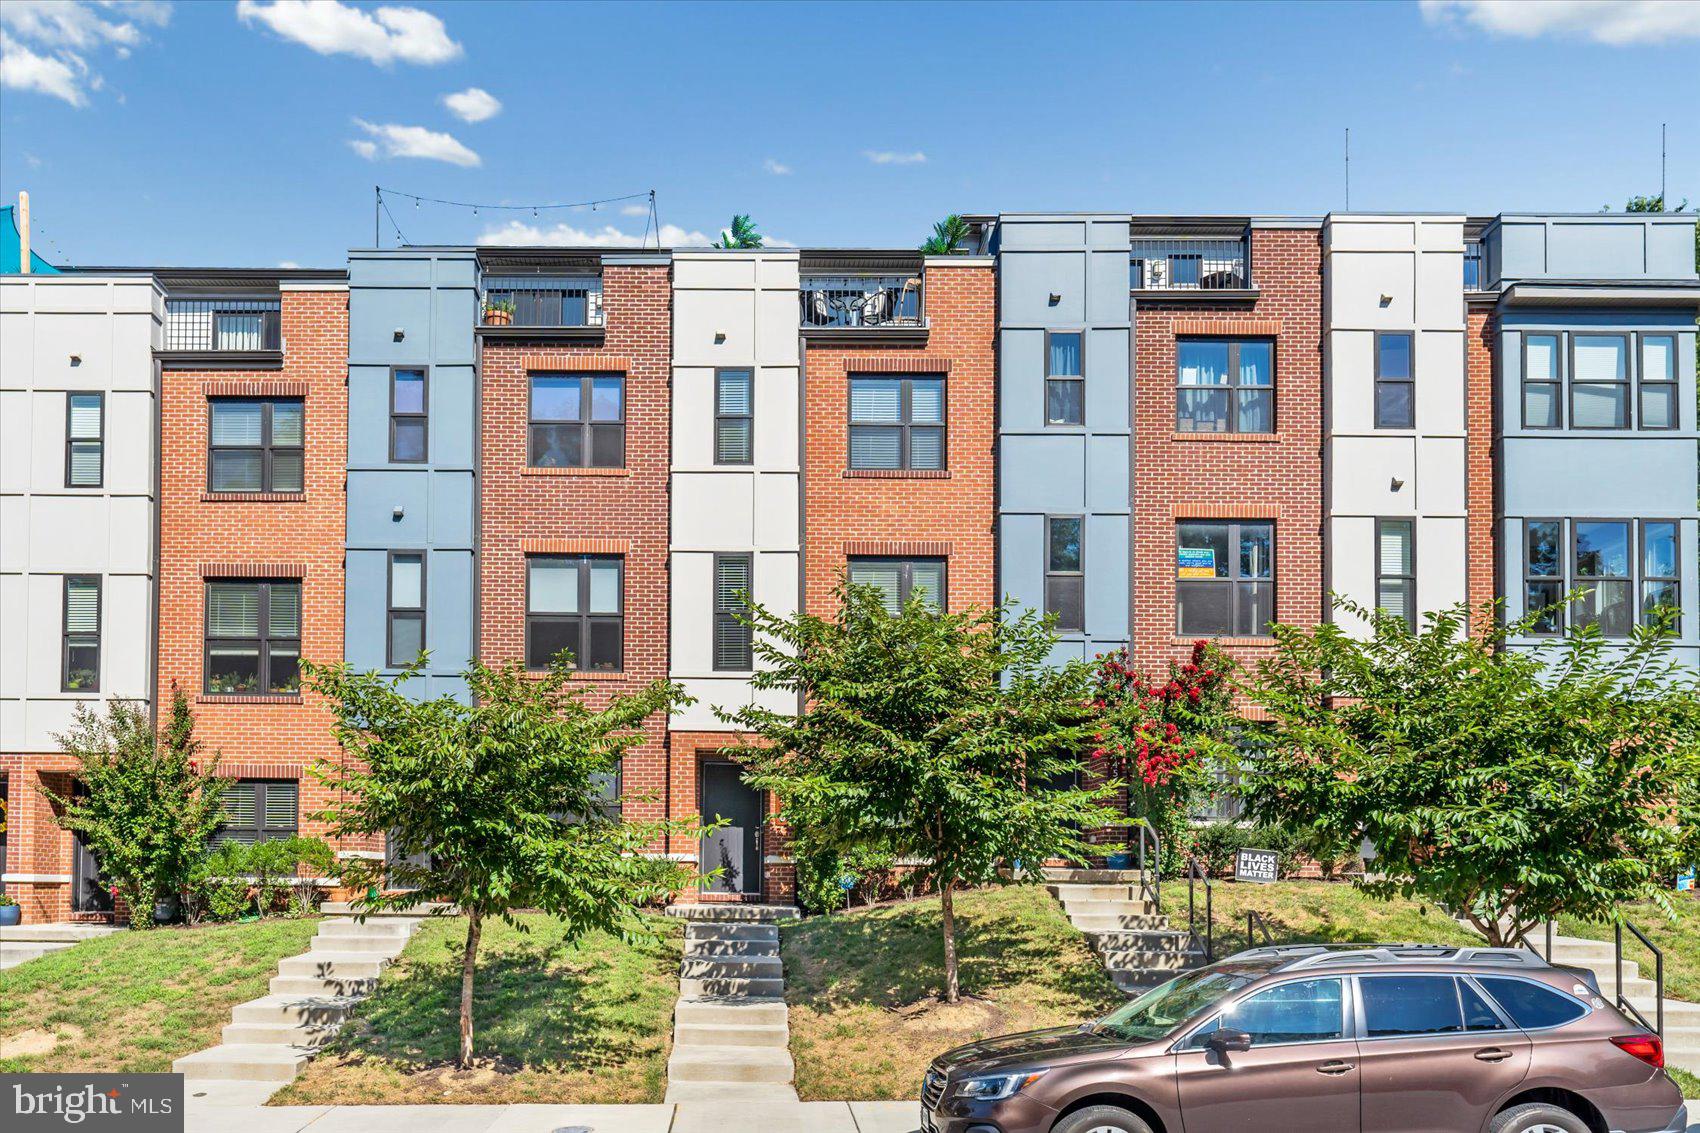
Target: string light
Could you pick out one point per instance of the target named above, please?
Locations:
(651, 219)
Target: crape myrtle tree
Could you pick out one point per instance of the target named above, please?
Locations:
(925, 735)
(1509, 785)
(497, 804)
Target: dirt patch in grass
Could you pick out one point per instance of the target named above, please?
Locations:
(864, 987)
(583, 1022)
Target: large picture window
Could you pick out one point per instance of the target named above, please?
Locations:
(259, 810)
(734, 416)
(1395, 381)
(255, 445)
(1224, 578)
(577, 421)
(253, 637)
(897, 423)
(1600, 380)
(1629, 568)
(899, 580)
(80, 656)
(733, 584)
(1065, 378)
(1225, 386)
(1065, 571)
(85, 440)
(575, 603)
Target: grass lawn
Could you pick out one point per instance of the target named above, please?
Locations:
(1319, 912)
(1678, 939)
(590, 1021)
(133, 1001)
(863, 987)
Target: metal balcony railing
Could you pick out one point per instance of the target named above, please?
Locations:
(861, 301)
(214, 324)
(1182, 264)
(542, 301)
(1475, 275)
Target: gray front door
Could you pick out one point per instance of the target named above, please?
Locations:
(735, 848)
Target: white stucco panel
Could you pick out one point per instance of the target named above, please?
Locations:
(1362, 474)
(1440, 476)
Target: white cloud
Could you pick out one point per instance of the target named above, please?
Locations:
(390, 140)
(383, 35)
(287, 265)
(777, 168)
(45, 45)
(473, 104)
(32, 160)
(566, 236)
(634, 210)
(894, 157)
(1615, 22)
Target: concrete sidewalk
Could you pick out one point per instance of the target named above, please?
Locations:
(685, 1117)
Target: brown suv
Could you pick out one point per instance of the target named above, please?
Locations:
(1370, 1038)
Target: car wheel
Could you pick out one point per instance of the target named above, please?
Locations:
(1538, 1117)
(1106, 1119)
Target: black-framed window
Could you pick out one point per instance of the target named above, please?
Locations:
(734, 581)
(1065, 377)
(1224, 578)
(1225, 385)
(1543, 573)
(255, 444)
(577, 421)
(85, 440)
(1658, 382)
(1395, 380)
(897, 422)
(1599, 381)
(79, 669)
(734, 416)
(409, 420)
(259, 810)
(1602, 563)
(899, 580)
(576, 603)
(1065, 571)
(1396, 569)
(1543, 381)
(405, 608)
(1630, 568)
(1661, 571)
(253, 636)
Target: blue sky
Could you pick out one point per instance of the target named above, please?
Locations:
(213, 133)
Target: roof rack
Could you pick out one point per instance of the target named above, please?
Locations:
(1297, 956)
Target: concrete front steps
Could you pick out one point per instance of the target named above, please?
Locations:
(730, 1036)
(1138, 945)
(270, 1039)
(1682, 1019)
(24, 942)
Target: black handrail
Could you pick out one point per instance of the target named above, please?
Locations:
(1196, 873)
(1152, 881)
(1255, 922)
(1623, 1003)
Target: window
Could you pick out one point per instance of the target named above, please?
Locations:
(1631, 571)
(85, 440)
(1530, 1005)
(253, 637)
(733, 582)
(408, 422)
(1543, 573)
(1395, 382)
(80, 662)
(897, 423)
(1065, 571)
(734, 416)
(1225, 386)
(1225, 578)
(1602, 568)
(1303, 1011)
(899, 580)
(1065, 378)
(577, 421)
(1395, 1006)
(1542, 380)
(1478, 1014)
(258, 810)
(1660, 573)
(574, 603)
(406, 608)
(255, 445)
(1599, 381)
(1395, 569)
(1658, 381)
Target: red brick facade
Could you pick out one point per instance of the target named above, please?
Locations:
(1481, 489)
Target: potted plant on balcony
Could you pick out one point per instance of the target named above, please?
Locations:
(11, 913)
(498, 312)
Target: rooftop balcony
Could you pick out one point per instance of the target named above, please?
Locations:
(527, 304)
(229, 327)
(1190, 264)
(862, 295)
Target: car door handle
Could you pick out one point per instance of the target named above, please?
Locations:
(1492, 1054)
(1335, 1067)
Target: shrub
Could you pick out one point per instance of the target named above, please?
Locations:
(234, 879)
(1216, 844)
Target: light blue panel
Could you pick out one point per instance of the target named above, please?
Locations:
(375, 316)
(455, 269)
(1107, 589)
(1021, 380)
(1029, 281)
(1043, 473)
(454, 317)
(1616, 476)
(1068, 649)
(396, 268)
(449, 631)
(374, 495)
(1108, 278)
(1017, 234)
(452, 507)
(1622, 246)
(1107, 379)
(454, 416)
(1589, 249)
(368, 415)
(1670, 250)
(1022, 559)
(1108, 232)
(1522, 249)
(366, 595)
(1107, 473)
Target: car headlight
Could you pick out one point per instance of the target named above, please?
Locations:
(995, 1087)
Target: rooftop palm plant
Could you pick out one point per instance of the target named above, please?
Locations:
(947, 234)
(742, 234)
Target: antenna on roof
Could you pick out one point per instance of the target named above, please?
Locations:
(1348, 169)
(1663, 207)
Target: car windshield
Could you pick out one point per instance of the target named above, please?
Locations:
(1163, 1008)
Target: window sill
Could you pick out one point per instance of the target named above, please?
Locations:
(1229, 438)
(254, 497)
(578, 675)
(1192, 638)
(575, 472)
(896, 474)
(248, 698)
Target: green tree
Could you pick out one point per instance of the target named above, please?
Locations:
(1509, 785)
(495, 805)
(926, 735)
(742, 234)
(149, 802)
(947, 234)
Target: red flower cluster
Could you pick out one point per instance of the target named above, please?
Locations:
(1139, 710)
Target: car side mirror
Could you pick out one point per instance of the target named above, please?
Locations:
(1225, 1040)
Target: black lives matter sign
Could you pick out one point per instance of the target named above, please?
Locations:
(1257, 865)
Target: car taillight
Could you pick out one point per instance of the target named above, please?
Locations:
(1648, 1048)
